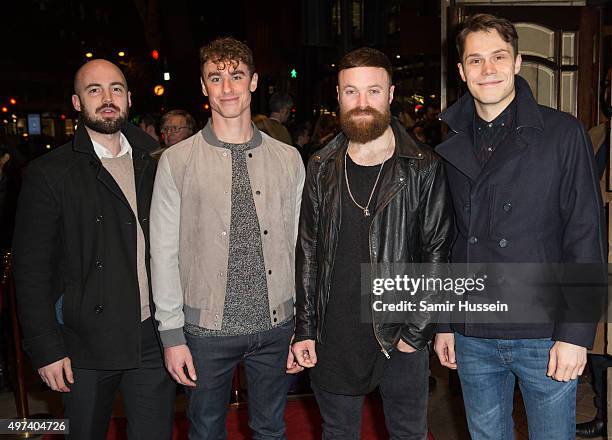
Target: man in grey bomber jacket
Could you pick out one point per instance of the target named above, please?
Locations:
(224, 222)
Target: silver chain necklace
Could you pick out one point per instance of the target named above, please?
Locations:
(365, 209)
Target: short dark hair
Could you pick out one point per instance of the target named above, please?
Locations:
(227, 50)
(280, 101)
(487, 23)
(366, 57)
(189, 120)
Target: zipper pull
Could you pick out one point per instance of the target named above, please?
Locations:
(385, 353)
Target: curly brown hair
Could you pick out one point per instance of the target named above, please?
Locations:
(227, 50)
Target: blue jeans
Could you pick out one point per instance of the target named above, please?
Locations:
(215, 358)
(488, 368)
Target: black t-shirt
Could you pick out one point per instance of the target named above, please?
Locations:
(349, 359)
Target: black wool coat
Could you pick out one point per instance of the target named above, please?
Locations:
(536, 200)
(75, 237)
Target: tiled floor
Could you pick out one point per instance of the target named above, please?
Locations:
(446, 414)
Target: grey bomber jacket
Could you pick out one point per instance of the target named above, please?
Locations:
(190, 220)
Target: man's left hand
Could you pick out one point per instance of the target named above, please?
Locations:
(405, 348)
(292, 366)
(566, 362)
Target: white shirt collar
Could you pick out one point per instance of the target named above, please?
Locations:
(103, 153)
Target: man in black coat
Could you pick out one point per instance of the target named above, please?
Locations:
(81, 266)
(525, 190)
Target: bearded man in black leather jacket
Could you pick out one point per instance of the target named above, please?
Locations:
(372, 196)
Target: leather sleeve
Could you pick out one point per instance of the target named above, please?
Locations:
(306, 256)
(437, 235)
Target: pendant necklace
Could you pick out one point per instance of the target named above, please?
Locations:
(366, 208)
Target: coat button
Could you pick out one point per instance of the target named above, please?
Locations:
(99, 309)
(250, 154)
(224, 233)
(258, 192)
(274, 312)
(99, 264)
(275, 319)
(507, 207)
(144, 220)
(466, 207)
(265, 232)
(129, 222)
(473, 240)
(224, 154)
(270, 272)
(99, 219)
(503, 243)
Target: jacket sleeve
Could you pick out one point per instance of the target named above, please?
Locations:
(301, 176)
(581, 209)
(34, 244)
(165, 275)
(437, 233)
(306, 257)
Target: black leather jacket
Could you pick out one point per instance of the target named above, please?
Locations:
(413, 222)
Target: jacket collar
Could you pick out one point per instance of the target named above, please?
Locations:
(460, 116)
(142, 144)
(211, 138)
(458, 150)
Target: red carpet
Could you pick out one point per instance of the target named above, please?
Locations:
(301, 416)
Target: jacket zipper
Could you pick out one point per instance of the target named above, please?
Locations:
(382, 348)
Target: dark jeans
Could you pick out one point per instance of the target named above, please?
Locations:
(215, 359)
(403, 389)
(148, 397)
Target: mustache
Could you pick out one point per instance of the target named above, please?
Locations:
(363, 111)
(110, 105)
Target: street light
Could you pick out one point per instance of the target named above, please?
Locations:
(89, 55)
(121, 54)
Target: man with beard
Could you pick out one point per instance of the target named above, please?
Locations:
(372, 195)
(81, 266)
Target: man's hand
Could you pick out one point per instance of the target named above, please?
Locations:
(292, 365)
(444, 346)
(177, 358)
(53, 375)
(405, 348)
(305, 354)
(566, 362)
